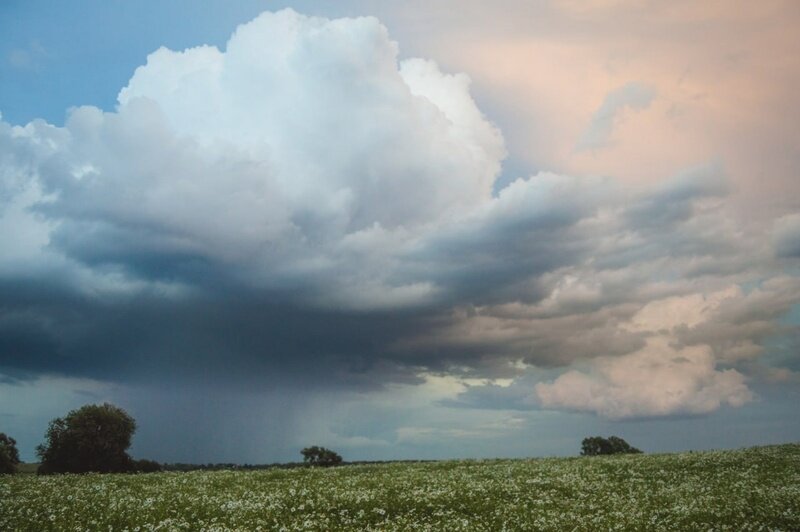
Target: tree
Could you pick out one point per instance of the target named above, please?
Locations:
(320, 456)
(91, 438)
(597, 445)
(9, 456)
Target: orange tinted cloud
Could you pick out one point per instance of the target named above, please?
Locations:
(724, 74)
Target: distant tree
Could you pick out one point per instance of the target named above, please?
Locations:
(9, 456)
(597, 445)
(91, 438)
(320, 456)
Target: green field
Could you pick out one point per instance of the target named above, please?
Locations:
(751, 489)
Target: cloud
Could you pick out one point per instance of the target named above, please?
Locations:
(303, 211)
(676, 372)
(786, 236)
(632, 355)
(633, 95)
(27, 58)
(675, 200)
(338, 126)
(743, 324)
(656, 381)
(273, 161)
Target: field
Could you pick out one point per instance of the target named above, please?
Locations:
(750, 489)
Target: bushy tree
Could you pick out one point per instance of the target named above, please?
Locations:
(597, 445)
(91, 438)
(9, 456)
(320, 456)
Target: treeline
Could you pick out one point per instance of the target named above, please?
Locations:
(179, 466)
(96, 438)
(185, 467)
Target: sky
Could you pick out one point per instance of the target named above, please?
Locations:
(449, 229)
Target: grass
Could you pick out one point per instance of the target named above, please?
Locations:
(750, 489)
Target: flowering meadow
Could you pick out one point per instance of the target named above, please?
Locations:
(750, 489)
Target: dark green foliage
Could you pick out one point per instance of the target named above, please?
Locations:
(9, 456)
(320, 456)
(146, 466)
(91, 438)
(597, 445)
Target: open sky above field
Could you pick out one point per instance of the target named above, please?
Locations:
(401, 230)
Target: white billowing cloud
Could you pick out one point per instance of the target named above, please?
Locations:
(633, 95)
(658, 380)
(662, 378)
(305, 155)
(269, 160)
(342, 131)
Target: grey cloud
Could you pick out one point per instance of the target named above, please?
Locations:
(518, 395)
(632, 95)
(675, 200)
(225, 339)
(739, 329)
(786, 236)
(530, 276)
(494, 339)
(17, 163)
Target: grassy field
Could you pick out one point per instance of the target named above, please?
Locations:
(751, 489)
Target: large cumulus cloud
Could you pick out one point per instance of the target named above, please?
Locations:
(274, 160)
(304, 204)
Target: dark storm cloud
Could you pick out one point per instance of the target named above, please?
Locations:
(516, 264)
(231, 338)
(144, 254)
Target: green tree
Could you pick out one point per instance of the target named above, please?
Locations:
(597, 445)
(91, 438)
(320, 456)
(9, 456)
